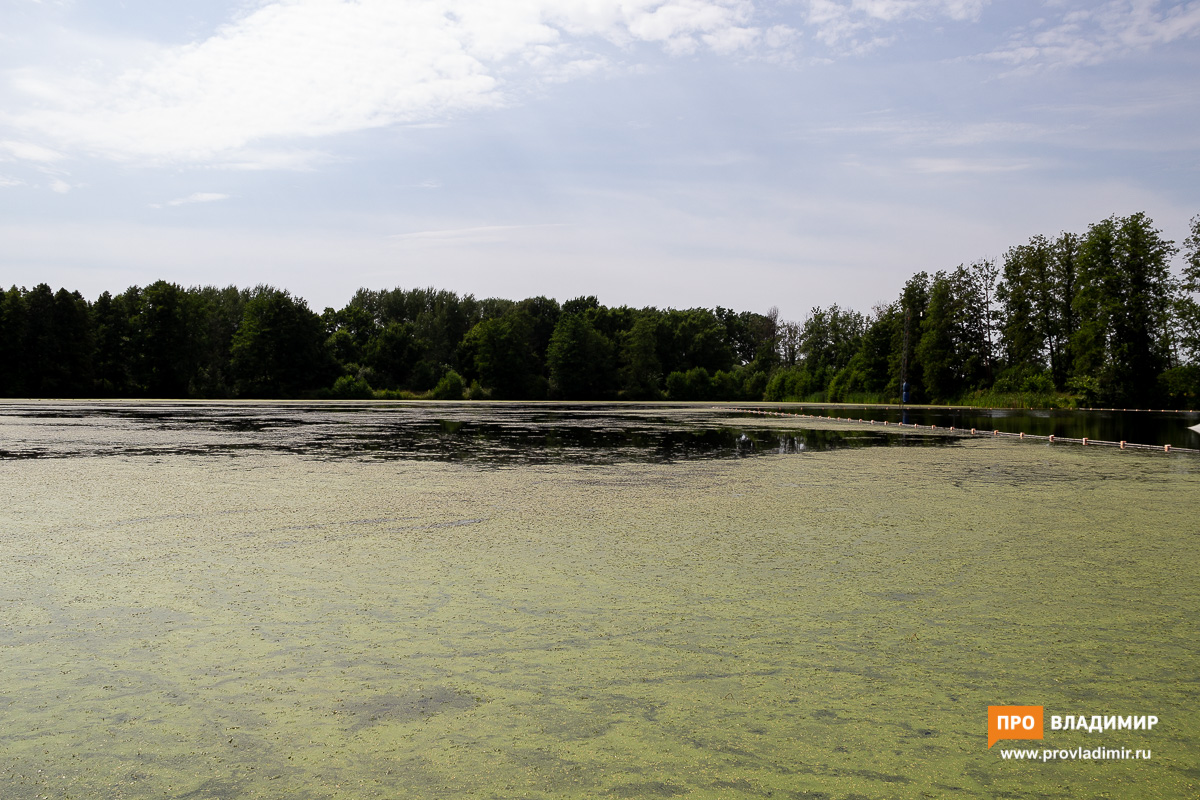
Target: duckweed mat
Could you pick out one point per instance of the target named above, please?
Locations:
(821, 624)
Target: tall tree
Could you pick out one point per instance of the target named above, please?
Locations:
(905, 365)
(112, 369)
(70, 375)
(1188, 309)
(695, 338)
(953, 349)
(352, 329)
(1036, 299)
(500, 351)
(278, 351)
(753, 337)
(220, 311)
(1065, 252)
(829, 339)
(975, 288)
(393, 353)
(14, 324)
(641, 369)
(40, 345)
(1124, 300)
(165, 342)
(544, 314)
(788, 353)
(580, 359)
(936, 347)
(1023, 294)
(876, 351)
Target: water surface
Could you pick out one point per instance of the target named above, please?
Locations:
(496, 434)
(1142, 427)
(197, 607)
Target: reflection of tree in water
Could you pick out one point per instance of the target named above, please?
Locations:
(490, 442)
(493, 435)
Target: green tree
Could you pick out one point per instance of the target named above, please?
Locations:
(70, 373)
(693, 338)
(278, 351)
(544, 315)
(752, 337)
(875, 355)
(39, 348)
(449, 387)
(351, 331)
(1180, 385)
(954, 350)
(1125, 297)
(220, 313)
(935, 349)
(905, 363)
(788, 343)
(164, 345)
(1065, 251)
(790, 384)
(1036, 324)
(1188, 304)
(641, 369)
(500, 350)
(14, 322)
(394, 352)
(440, 320)
(829, 338)
(695, 384)
(867, 370)
(580, 359)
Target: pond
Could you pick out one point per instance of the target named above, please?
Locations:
(280, 600)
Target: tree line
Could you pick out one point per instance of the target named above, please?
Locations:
(1092, 318)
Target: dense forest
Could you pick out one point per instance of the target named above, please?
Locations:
(1082, 319)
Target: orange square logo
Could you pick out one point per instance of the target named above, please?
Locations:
(1014, 722)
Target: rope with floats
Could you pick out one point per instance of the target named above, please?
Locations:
(967, 432)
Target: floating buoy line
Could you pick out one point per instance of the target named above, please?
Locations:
(967, 432)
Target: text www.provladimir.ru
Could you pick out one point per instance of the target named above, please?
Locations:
(1077, 754)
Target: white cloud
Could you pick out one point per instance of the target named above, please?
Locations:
(779, 36)
(967, 166)
(1091, 34)
(855, 26)
(311, 68)
(60, 186)
(489, 233)
(25, 151)
(6, 182)
(730, 40)
(195, 197)
(902, 131)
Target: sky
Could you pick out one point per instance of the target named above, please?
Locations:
(674, 153)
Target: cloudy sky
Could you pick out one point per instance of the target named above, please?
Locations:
(680, 153)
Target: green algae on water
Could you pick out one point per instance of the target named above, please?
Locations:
(830, 623)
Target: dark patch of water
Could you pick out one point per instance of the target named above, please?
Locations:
(494, 434)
